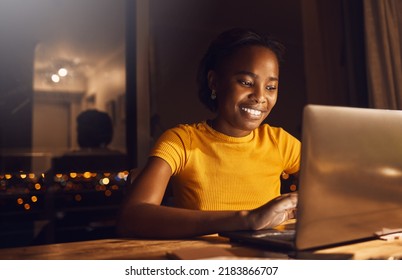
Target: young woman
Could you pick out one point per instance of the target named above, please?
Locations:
(225, 172)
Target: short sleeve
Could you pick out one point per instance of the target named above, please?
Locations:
(290, 149)
(173, 146)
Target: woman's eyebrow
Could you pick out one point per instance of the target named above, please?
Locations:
(244, 72)
(248, 73)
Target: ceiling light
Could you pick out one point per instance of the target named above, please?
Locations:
(62, 72)
(55, 78)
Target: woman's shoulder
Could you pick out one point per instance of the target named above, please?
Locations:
(274, 132)
(186, 130)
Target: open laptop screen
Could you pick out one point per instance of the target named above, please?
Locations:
(351, 174)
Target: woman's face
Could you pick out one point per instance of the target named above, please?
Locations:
(246, 86)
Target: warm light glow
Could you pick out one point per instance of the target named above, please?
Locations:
(31, 176)
(38, 186)
(20, 201)
(8, 176)
(78, 197)
(62, 72)
(34, 198)
(123, 175)
(391, 172)
(108, 193)
(293, 188)
(104, 181)
(87, 175)
(73, 175)
(69, 185)
(23, 176)
(55, 78)
(27, 206)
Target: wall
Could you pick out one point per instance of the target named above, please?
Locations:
(16, 71)
(334, 52)
(107, 83)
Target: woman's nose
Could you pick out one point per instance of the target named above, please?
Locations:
(258, 95)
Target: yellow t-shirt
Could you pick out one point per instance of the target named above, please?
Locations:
(213, 171)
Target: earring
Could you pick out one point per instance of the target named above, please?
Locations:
(213, 94)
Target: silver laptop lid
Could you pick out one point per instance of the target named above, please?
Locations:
(351, 174)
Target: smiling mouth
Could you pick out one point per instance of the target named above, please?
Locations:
(252, 112)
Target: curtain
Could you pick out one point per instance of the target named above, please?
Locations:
(383, 38)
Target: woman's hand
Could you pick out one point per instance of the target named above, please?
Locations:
(275, 212)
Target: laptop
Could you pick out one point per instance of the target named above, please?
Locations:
(350, 185)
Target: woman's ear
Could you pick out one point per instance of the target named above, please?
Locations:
(212, 79)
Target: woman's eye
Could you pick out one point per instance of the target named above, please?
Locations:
(246, 83)
(271, 87)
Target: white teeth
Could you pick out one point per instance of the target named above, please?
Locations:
(252, 111)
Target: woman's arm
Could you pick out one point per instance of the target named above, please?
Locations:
(143, 216)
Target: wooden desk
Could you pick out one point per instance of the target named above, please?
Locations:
(127, 249)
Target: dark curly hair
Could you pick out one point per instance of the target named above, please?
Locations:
(224, 46)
